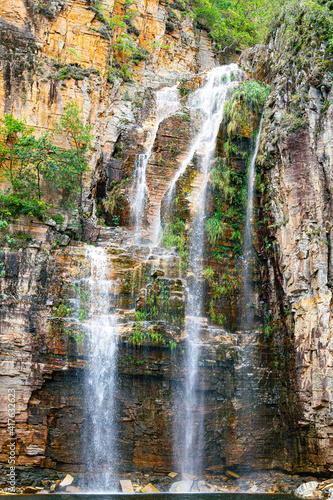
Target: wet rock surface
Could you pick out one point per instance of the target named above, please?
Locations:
(255, 413)
(150, 364)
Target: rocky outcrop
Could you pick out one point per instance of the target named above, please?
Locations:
(60, 51)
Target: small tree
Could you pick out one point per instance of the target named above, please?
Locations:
(23, 158)
(71, 163)
(14, 160)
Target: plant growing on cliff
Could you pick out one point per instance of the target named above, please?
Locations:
(174, 235)
(68, 166)
(26, 160)
(246, 102)
(23, 158)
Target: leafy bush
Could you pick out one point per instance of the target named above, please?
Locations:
(13, 205)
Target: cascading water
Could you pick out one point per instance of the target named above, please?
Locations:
(100, 385)
(248, 235)
(210, 100)
(167, 103)
(101, 324)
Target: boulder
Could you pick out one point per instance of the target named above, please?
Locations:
(66, 481)
(126, 486)
(231, 474)
(204, 487)
(308, 490)
(173, 474)
(54, 485)
(29, 490)
(181, 486)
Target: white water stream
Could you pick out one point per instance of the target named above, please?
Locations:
(100, 387)
(248, 235)
(210, 99)
(167, 103)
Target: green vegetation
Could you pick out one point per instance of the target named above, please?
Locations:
(70, 165)
(159, 307)
(141, 334)
(230, 193)
(122, 35)
(22, 157)
(173, 345)
(229, 186)
(62, 311)
(174, 235)
(109, 209)
(236, 24)
(246, 102)
(25, 161)
(307, 21)
(228, 183)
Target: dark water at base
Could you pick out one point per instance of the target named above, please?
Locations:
(161, 496)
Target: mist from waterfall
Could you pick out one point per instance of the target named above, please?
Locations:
(101, 329)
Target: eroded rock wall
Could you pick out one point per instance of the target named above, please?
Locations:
(52, 53)
(44, 358)
(295, 169)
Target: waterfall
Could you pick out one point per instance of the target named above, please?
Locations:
(100, 384)
(248, 235)
(210, 99)
(101, 327)
(167, 103)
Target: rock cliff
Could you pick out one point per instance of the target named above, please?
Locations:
(268, 391)
(295, 208)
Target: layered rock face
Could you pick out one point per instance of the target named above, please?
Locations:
(52, 53)
(266, 405)
(296, 178)
(44, 357)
